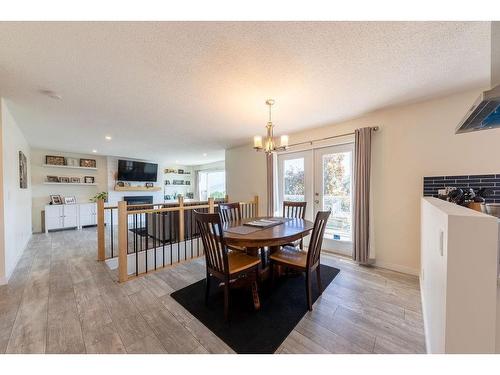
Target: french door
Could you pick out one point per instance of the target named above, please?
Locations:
(324, 179)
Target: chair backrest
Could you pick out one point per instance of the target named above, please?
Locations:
(294, 210)
(314, 248)
(212, 236)
(229, 211)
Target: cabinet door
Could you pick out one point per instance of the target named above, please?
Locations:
(70, 215)
(53, 217)
(87, 214)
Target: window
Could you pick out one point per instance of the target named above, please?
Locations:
(293, 179)
(211, 184)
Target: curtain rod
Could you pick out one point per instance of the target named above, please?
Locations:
(375, 128)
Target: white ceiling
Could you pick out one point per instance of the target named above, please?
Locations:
(175, 90)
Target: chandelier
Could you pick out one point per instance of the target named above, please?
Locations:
(269, 145)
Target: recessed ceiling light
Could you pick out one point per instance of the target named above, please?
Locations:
(50, 94)
(108, 138)
(205, 154)
(94, 151)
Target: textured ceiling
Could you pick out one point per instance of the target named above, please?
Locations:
(176, 90)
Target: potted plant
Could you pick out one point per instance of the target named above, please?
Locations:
(101, 195)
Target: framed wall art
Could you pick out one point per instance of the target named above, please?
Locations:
(88, 163)
(56, 199)
(23, 171)
(55, 160)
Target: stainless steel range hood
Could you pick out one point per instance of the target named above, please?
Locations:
(485, 112)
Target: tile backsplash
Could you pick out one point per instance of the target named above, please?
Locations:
(492, 181)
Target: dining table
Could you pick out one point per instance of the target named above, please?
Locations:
(284, 231)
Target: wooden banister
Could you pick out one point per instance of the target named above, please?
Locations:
(181, 218)
(178, 232)
(101, 246)
(122, 241)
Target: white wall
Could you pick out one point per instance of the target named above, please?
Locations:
(246, 175)
(15, 209)
(216, 165)
(116, 196)
(41, 192)
(414, 141)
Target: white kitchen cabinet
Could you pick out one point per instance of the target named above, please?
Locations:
(458, 278)
(88, 214)
(64, 216)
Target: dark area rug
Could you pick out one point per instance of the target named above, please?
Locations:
(248, 331)
(140, 231)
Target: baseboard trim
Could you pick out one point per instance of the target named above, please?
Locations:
(5, 279)
(426, 328)
(397, 268)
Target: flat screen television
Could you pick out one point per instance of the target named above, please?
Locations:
(129, 170)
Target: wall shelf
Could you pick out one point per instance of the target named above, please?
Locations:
(69, 183)
(137, 188)
(69, 167)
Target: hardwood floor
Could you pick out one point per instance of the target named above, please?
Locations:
(61, 300)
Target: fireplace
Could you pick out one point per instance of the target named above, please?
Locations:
(138, 199)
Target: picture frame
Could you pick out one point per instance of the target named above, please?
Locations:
(89, 179)
(72, 162)
(88, 163)
(70, 200)
(23, 171)
(55, 160)
(56, 199)
(64, 180)
(149, 184)
(52, 179)
(75, 180)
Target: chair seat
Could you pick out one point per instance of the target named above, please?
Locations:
(290, 255)
(239, 262)
(237, 248)
(295, 245)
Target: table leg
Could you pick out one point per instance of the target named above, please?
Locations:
(277, 268)
(255, 292)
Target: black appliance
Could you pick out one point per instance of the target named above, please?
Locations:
(139, 199)
(129, 170)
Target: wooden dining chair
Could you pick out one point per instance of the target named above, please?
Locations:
(230, 211)
(221, 264)
(295, 210)
(303, 261)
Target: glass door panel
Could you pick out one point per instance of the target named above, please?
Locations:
(333, 191)
(295, 180)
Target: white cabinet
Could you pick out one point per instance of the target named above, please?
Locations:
(458, 278)
(70, 216)
(88, 214)
(54, 217)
